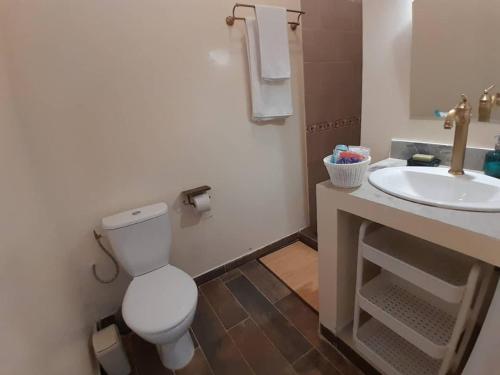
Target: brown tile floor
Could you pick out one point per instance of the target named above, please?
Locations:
(248, 322)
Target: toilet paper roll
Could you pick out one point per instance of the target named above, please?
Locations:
(202, 202)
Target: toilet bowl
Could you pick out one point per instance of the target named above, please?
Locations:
(160, 302)
(159, 307)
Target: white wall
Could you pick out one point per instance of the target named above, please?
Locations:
(386, 84)
(44, 309)
(113, 105)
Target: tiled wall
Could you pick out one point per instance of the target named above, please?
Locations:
(332, 37)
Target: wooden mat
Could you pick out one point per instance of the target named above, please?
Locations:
(297, 266)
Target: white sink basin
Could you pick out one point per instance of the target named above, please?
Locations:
(436, 187)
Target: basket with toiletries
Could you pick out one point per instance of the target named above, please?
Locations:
(347, 165)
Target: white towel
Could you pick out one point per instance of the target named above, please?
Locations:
(270, 99)
(273, 36)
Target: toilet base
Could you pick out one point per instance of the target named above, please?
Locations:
(178, 354)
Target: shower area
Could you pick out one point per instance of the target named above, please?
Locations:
(332, 46)
(332, 42)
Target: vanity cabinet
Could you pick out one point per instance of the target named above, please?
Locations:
(398, 287)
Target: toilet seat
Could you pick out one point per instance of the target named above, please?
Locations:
(159, 301)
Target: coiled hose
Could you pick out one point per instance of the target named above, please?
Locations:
(98, 237)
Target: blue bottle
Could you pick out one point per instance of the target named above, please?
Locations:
(492, 160)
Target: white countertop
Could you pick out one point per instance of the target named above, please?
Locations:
(474, 233)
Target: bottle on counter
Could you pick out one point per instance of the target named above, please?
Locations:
(492, 160)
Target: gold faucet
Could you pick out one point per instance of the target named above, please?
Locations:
(486, 104)
(460, 116)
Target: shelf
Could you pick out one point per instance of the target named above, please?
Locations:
(434, 268)
(411, 312)
(391, 353)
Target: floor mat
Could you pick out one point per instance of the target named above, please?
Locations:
(297, 266)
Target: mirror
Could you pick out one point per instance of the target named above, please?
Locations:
(455, 50)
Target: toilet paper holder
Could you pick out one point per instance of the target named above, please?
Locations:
(191, 193)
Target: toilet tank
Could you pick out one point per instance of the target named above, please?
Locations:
(140, 238)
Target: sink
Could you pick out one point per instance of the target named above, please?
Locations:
(436, 187)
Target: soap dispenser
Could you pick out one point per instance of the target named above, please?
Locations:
(492, 160)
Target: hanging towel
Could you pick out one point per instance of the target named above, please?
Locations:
(273, 36)
(270, 99)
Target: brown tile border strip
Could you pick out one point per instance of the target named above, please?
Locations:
(216, 272)
(333, 124)
(210, 275)
(348, 352)
(309, 238)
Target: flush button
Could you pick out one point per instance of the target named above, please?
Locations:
(136, 212)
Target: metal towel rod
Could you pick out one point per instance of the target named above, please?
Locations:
(230, 19)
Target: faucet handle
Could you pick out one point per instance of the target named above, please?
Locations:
(486, 91)
(486, 98)
(490, 99)
(464, 104)
(494, 99)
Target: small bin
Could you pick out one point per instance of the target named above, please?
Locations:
(109, 351)
(347, 175)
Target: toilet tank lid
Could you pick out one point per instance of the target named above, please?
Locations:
(137, 215)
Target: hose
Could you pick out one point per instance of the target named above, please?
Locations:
(98, 237)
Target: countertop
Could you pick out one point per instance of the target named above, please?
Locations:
(476, 234)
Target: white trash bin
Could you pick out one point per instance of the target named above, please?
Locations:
(109, 351)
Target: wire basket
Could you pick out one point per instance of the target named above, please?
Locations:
(347, 175)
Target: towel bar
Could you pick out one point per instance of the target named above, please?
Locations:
(230, 19)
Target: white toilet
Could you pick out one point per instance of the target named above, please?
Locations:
(160, 302)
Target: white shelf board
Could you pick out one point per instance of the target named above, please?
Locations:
(434, 268)
(392, 354)
(410, 312)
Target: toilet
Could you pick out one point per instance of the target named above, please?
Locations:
(160, 302)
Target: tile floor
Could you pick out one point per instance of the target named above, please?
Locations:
(248, 322)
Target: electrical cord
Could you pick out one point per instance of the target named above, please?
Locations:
(98, 237)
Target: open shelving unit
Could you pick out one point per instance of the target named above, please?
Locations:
(414, 315)
(398, 304)
(383, 346)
